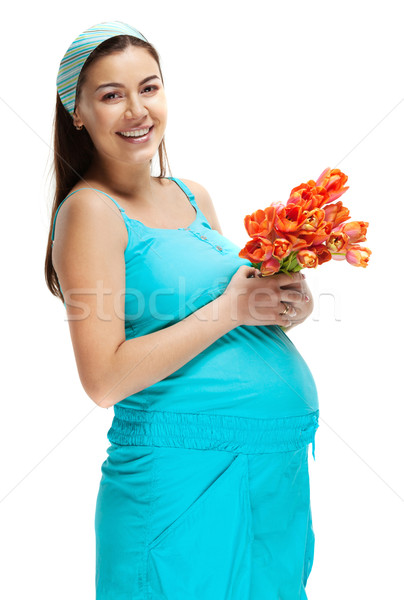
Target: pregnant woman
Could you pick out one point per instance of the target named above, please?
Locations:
(204, 493)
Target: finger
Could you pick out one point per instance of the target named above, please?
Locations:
(292, 296)
(289, 278)
(251, 271)
(291, 311)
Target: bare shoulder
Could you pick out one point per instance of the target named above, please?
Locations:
(85, 200)
(205, 203)
(88, 199)
(90, 211)
(198, 190)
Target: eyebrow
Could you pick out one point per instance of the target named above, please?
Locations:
(120, 85)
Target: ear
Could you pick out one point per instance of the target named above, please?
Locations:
(77, 122)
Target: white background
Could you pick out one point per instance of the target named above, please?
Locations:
(262, 96)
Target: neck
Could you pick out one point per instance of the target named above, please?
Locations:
(126, 180)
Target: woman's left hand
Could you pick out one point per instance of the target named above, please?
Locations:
(299, 309)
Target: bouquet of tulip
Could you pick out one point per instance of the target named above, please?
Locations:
(309, 230)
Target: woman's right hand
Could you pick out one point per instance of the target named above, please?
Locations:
(257, 300)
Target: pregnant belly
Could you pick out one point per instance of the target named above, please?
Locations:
(273, 375)
(253, 372)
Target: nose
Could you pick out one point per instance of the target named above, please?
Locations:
(135, 107)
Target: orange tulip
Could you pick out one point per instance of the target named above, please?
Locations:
(307, 258)
(270, 266)
(314, 219)
(337, 241)
(290, 218)
(260, 222)
(333, 181)
(308, 195)
(323, 253)
(257, 250)
(355, 230)
(358, 256)
(281, 248)
(320, 235)
(297, 243)
(336, 213)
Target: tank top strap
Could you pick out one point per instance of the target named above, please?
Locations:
(185, 189)
(83, 188)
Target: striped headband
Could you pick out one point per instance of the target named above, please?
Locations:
(78, 52)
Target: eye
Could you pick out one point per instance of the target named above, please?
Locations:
(106, 97)
(151, 87)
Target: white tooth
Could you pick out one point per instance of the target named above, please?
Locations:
(139, 133)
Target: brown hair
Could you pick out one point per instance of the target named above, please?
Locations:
(73, 149)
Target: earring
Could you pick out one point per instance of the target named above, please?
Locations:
(81, 127)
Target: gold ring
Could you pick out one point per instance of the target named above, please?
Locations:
(287, 307)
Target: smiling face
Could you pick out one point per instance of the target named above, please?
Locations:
(116, 98)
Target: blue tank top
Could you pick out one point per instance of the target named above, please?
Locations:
(252, 371)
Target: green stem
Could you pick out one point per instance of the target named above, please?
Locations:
(288, 265)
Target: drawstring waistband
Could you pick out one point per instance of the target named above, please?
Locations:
(132, 427)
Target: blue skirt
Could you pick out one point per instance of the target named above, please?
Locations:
(204, 507)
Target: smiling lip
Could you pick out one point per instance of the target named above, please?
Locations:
(133, 140)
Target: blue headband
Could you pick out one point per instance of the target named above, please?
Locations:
(78, 52)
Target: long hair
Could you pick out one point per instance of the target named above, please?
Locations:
(73, 149)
